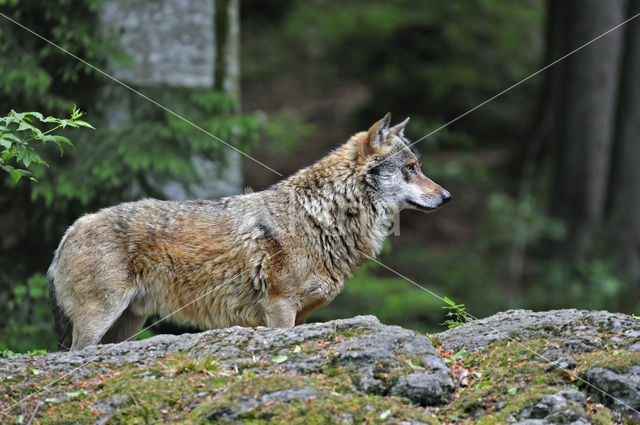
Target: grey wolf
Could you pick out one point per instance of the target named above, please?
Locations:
(267, 258)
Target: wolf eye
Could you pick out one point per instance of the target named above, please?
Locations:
(411, 168)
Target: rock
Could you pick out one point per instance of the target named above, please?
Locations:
(425, 388)
(563, 407)
(477, 334)
(632, 334)
(561, 363)
(345, 371)
(574, 396)
(286, 395)
(622, 389)
(373, 351)
(546, 405)
(635, 347)
(579, 345)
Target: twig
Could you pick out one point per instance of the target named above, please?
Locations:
(35, 410)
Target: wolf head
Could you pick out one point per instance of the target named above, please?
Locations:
(392, 169)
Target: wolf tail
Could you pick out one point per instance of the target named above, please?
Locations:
(64, 327)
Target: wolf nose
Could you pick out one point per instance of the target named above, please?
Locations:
(446, 196)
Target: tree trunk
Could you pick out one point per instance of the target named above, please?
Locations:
(584, 129)
(227, 76)
(623, 228)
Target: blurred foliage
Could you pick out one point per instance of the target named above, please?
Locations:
(416, 58)
(28, 318)
(506, 217)
(283, 130)
(153, 146)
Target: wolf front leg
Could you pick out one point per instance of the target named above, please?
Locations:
(280, 313)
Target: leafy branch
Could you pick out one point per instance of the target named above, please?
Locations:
(457, 314)
(17, 132)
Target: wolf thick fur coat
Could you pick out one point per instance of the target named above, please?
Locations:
(262, 259)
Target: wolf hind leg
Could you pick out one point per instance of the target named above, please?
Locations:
(94, 322)
(125, 326)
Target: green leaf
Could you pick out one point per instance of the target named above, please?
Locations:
(459, 355)
(384, 415)
(35, 371)
(26, 158)
(415, 366)
(63, 140)
(22, 151)
(18, 116)
(74, 394)
(84, 124)
(540, 380)
(11, 136)
(279, 359)
(24, 126)
(35, 157)
(480, 384)
(477, 374)
(38, 115)
(39, 133)
(51, 400)
(5, 143)
(15, 175)
(297, 349)
(512, 390)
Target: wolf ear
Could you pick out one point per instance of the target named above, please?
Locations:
(398, 129)
(375, 136)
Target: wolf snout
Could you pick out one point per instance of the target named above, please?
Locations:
(445, 196)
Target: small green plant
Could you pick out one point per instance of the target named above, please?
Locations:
(457, 314)
(5, 354)
(18, 132)
(185, 364)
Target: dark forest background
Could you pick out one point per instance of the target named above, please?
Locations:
(545, 182)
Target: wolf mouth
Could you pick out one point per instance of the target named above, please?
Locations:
(420, 207)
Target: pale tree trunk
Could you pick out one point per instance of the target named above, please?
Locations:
(585, 127)
(227, 77)
(623, 227)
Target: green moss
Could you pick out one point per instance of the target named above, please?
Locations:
(352, 332)
(435, 341)
(506, 365)
(617, 360)
(326, 408)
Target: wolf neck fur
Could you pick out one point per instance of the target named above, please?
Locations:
(348, 222)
